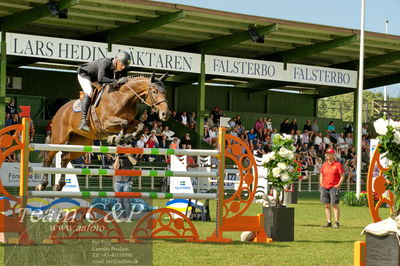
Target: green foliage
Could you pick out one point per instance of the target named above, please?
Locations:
(389, 147)
(282, 169)
(350, 199)
(342, 106)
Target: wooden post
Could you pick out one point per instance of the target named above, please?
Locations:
(23, 171)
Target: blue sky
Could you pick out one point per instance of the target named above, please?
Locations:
(340, 13)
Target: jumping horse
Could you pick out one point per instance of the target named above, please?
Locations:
(115, 113)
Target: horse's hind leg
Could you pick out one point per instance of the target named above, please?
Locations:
(66, 157)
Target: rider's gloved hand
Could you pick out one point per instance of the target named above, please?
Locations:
(114, 83)
(121, 81)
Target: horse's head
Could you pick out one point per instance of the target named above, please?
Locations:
(156, 96)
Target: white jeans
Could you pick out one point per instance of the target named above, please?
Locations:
(86, 85)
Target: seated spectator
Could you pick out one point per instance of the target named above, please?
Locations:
(11, 108)
(214, 135)
(259, 126)
(152, 142)
(210, 121)
(157, 129)
(151, 118)
(298, 138)
(327, 140)
(293, 125)
(268, 123)
(305, 137)
(186, 142)
(141, 143)
(192, 126)
(238, 121)
(9, 120)
(318, 142)
(349, 139)
(109, 160)
(143, 117)
(175, 143)
(217, 113)
(167, 132)
(342, 144)
(174, 115)
(313, 154)
(207, 137)
(285, 127)
(192, 118)
(307, 126)
(314, 126)
(331, 130)
(317, 166)
(164, 144)
(183, 118)
(364, 130)
(252, 136)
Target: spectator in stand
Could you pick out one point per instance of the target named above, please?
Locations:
(252, 136)
(108, 160)
(141, 143)
(352, 153)
(259, 149)
(163, 144)
(342, 144)
(259, 126)
(349, 139)
(234, 132)
(232, 123)
(214, 136)
(157, 129)
(285, 127)
(314, 126)
(143, 117)
(186, 142)
(183, 118)
(318, 142)
(217, 113)
(146, 134)
(238, 120)
(364, 130)
(297, 138)
(331, 130)
(207, 137)
(348, 129)
(317, 166)
(192, 126)
(327, 140)
(210, 121)
(364, 143)
(174, 115)
(293, 125)
(274, 132)
(192, 119)
(151, 118)
(305, 137)
(9, 121)
(11, 108)
(268, 124)
(245, 136)
(312, 154)
(307, 126)
(174, 144)
(338, 154)
(152, 142)
(168, 133)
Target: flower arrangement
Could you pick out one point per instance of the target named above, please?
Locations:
(389, 147)
(283, 170)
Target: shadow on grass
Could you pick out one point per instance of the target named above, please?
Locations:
(327, 228)
(233, 243)
(325, 241)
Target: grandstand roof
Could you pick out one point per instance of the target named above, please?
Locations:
(192, 29)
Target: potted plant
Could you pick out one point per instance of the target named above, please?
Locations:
(382, 241)
(283, 170)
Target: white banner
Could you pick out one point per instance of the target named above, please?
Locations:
(83, 51)
(257, 69)
(9, 173)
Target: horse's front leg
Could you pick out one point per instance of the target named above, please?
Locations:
(113, 122)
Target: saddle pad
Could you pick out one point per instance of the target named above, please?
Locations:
(76, 107)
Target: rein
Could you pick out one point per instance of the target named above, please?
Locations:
(153, 104)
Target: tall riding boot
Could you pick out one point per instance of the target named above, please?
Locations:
(84, 109)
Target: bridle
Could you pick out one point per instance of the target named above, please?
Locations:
(150, 94)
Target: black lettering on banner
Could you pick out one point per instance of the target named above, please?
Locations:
(151, 58)
(159, 62)
(62, 49)
(86, 53)
(178, 62)
(74, 51)
(187, 63)
(39, 47)
(168, 61)
(101, 53)
(49, 49)
(28, 47)
(139, 58)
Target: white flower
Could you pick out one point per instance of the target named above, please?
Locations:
(282, 166)
(395, 124)
(290, 168)
(269, 157)
(396, 137)
(283, 152)
(381, 126)
(290, 155)
(276, 172)
(286, 136)
(285, 176)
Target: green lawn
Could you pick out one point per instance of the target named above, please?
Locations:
(313, 245)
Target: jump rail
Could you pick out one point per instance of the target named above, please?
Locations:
(121, 172)
(141, 195)
(124, 150)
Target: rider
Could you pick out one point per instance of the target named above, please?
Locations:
(99, 72)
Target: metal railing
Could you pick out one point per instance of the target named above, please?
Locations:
(391, 108)
(311, 183)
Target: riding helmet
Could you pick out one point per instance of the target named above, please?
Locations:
(124, 58)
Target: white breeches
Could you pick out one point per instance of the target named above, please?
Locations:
(86, 85)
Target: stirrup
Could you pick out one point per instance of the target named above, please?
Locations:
(84, 126)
